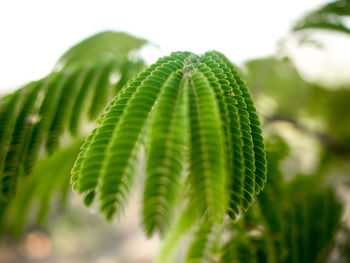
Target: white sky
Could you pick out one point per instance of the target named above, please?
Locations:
(33, 34)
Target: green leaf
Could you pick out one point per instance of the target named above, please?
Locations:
(188, 111)
(40, 113)
(22, 128)
(207, 176)
(101, 45)
(328, 17)
(232, 131)
(166, 154)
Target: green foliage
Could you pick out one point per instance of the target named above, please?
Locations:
(104, 44)
(240, 249)
(279, 80)
(36, 118)
(193, 120)
(192, 115)
(299, 99)
(165, 157)
(47, 186)
(330, 17)
(292, 221)
(311, 219)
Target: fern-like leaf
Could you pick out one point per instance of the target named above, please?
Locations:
(328, 17)
(256, 132)
(12, 167)
(8, 115)
(166, 155)
(102, 89)
(207, 161)
(188, 111)
(88, 166)
(40, 113)
(234, 136)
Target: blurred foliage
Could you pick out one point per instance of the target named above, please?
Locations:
(293, 98)
(109, 43)
(279, 80)
(312, 215)
(304, 214)
(294, 219)
(48, 186)
(330, 16)
(57, 110)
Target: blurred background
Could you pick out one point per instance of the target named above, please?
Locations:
(295, 56)
(34, 35)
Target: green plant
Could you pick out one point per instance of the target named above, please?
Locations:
(185, 110)
(330, 16)
(192, 121)
(41, 112)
